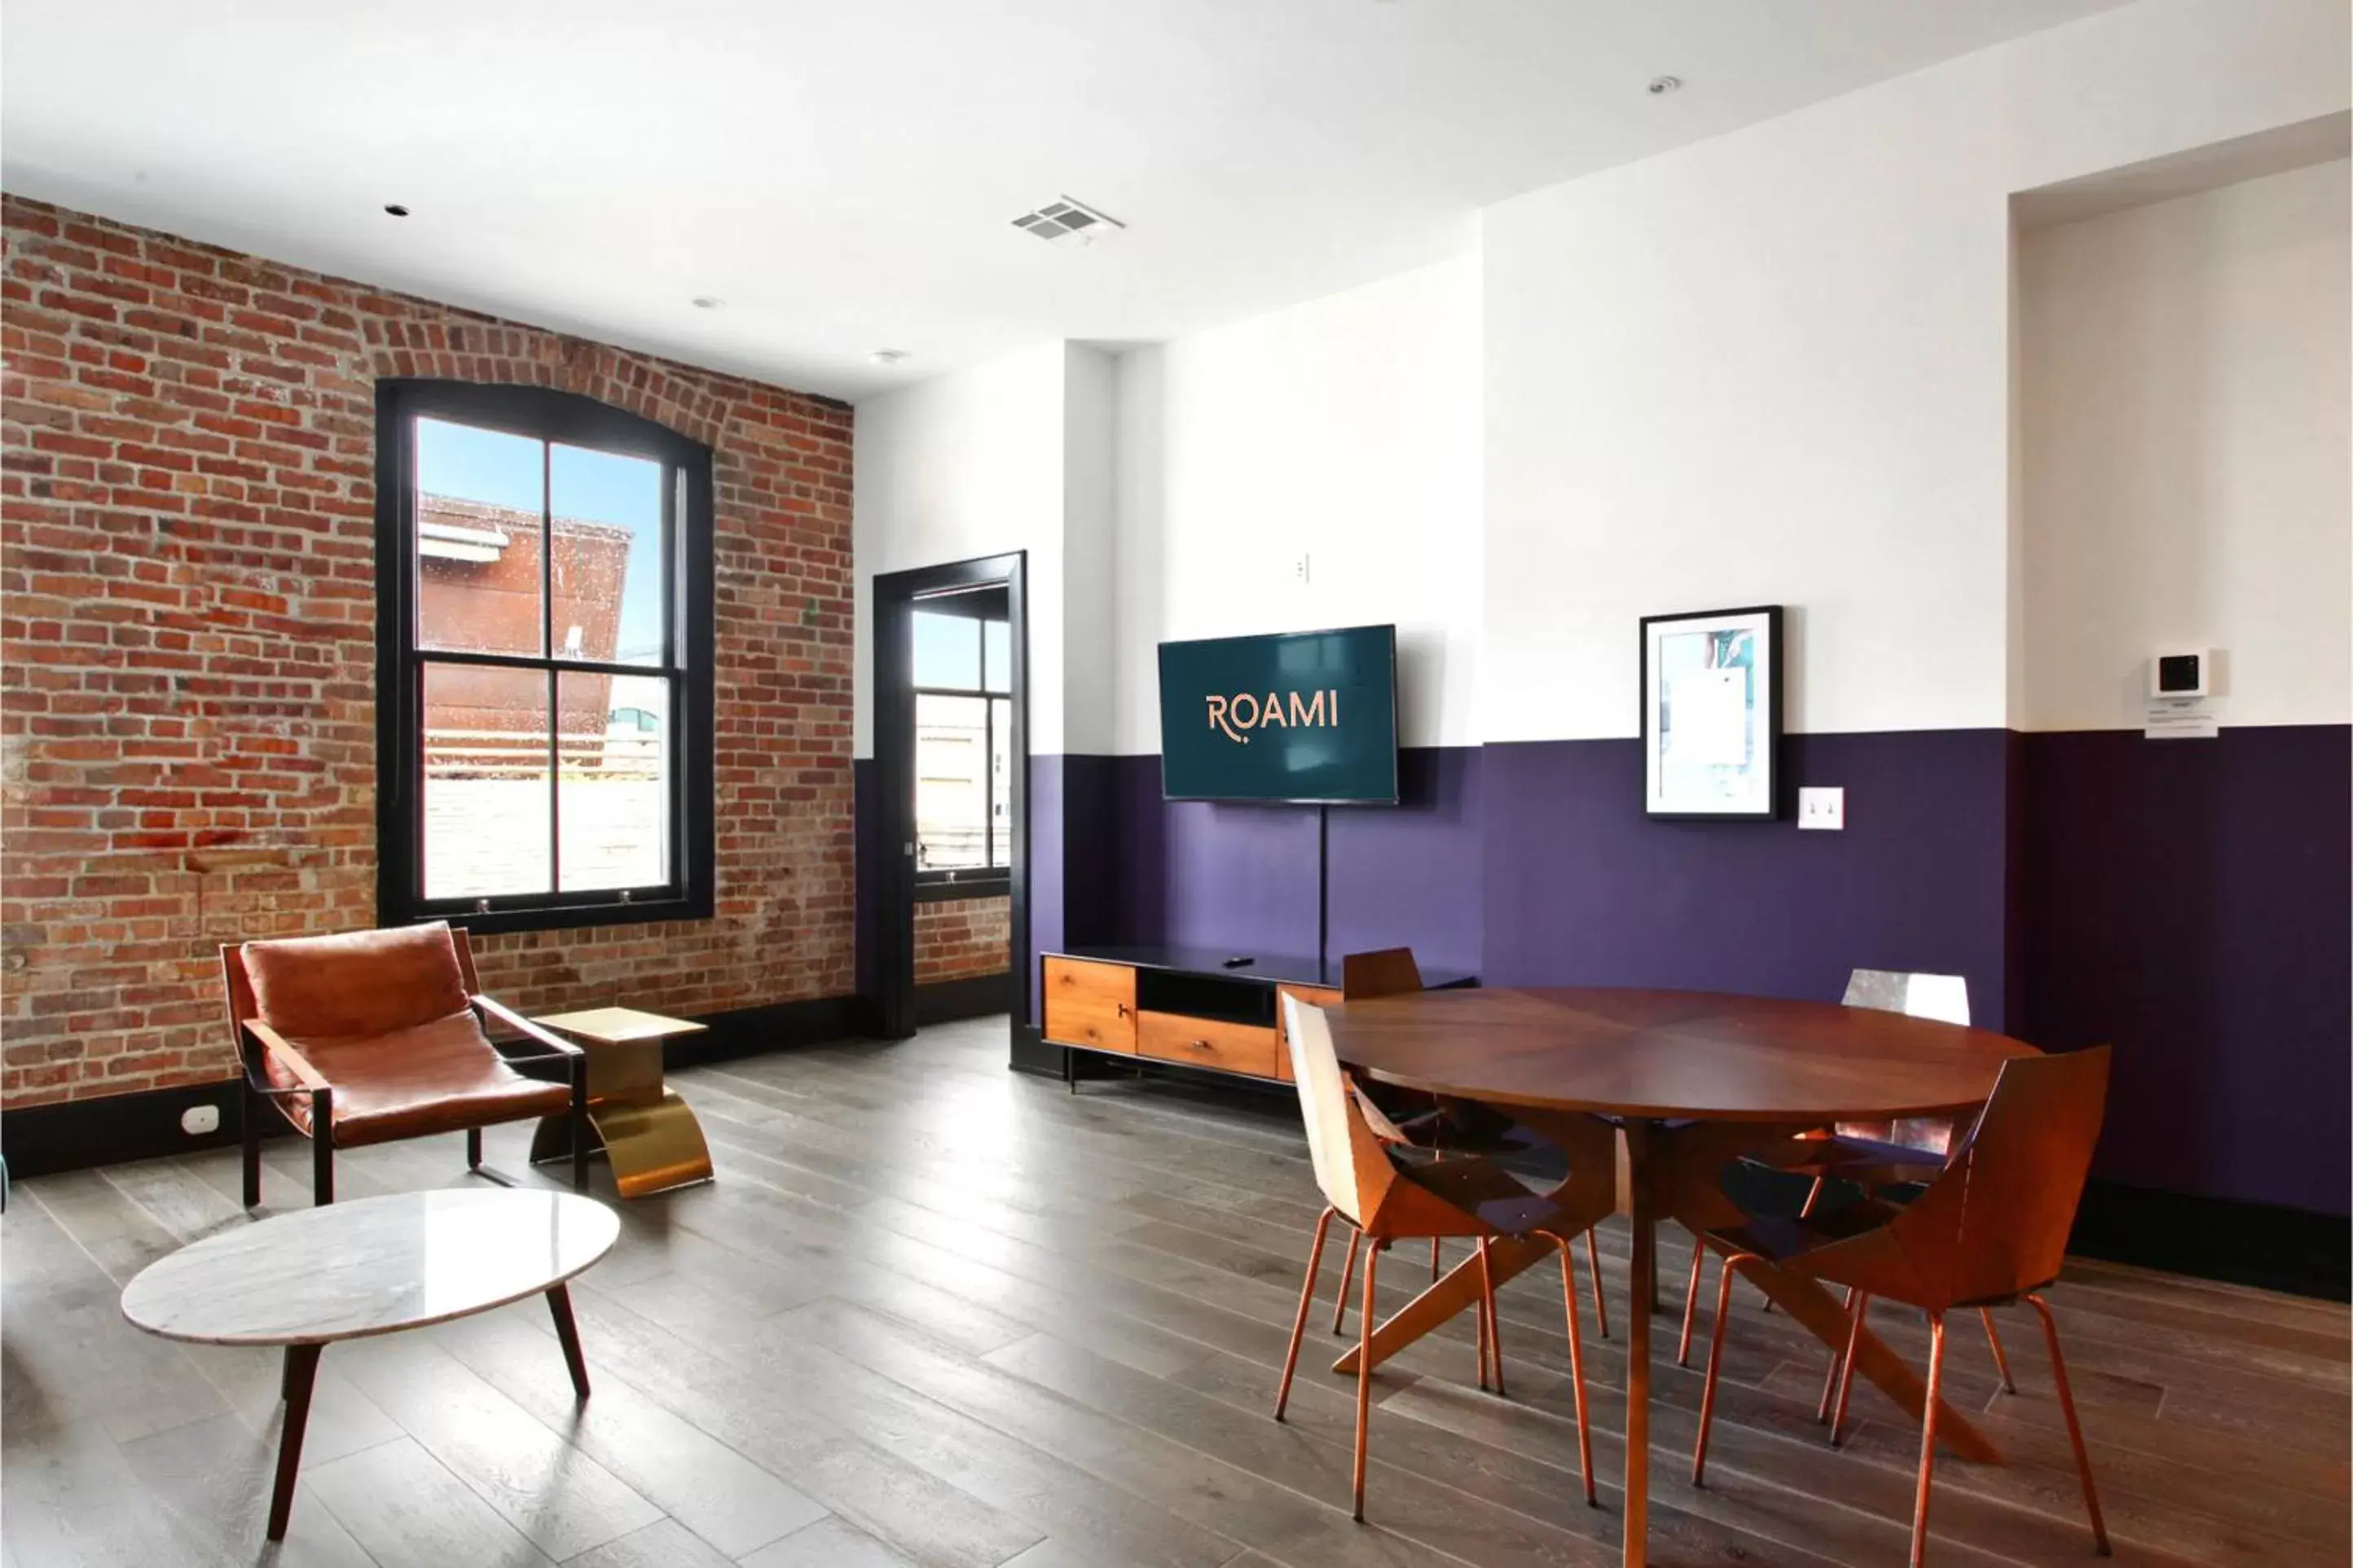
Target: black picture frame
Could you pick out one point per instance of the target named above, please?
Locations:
(1762, 801)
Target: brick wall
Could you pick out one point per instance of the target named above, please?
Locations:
(958, 938)
(187, 622)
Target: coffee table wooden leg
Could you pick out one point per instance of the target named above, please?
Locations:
(1644, 1223)
(301, 1373)
(559, 1304)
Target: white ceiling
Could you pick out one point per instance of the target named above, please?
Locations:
(843, 174)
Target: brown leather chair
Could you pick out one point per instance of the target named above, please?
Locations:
(1990, 1229)
(378, 1036)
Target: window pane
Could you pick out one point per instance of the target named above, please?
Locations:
(486, 786)
(1000, 768)
(613, 794)
(609, 565)
(998, 666)
(951, 782)
(947, 650)
(477, 526)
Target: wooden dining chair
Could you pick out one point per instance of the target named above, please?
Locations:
(1989, 1230)
(375, 1036)
(1405, 1119)
(1885, 1158)
(1384, 1199)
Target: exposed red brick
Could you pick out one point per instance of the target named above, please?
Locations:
(959, 939)
(187, 703)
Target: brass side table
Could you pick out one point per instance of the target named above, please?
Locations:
(649, 1135)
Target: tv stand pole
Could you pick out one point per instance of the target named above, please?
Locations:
(1322, 884)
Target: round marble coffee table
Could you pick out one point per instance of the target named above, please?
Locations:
(375, 1266)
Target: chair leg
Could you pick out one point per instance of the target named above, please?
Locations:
(1691, 1302)
(1433, 1258)
(1307, 1299)
(1348, 1273)
(1813, 1196)
(2001, 1361)
(1927, 1433)
(473, 1148)
(2075, 1427)
(580, 1124)
(1861, 1309)
(1830, 1377)
(1364, 1373)
(1593, 1266)
(249, 1127)
(323, 1146)
(1494, 1324)
(1577, 1373)
(1715, 1362)
(1479, 1323)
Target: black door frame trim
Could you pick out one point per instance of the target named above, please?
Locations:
(894, 596)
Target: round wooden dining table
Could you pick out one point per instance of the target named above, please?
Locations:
(1650, 1094)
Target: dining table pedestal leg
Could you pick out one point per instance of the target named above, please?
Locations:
(1644, 1224)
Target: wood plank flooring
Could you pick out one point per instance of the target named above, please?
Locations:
(936, 1313)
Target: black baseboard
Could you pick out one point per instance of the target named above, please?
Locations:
(40, 1139)
(1031, 1054)
(778, 1025)
(978, 996)
(2263, 1245)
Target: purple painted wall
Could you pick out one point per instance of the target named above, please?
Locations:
(2191, 902)
(1581, 888)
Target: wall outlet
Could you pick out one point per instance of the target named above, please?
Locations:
(199, 1119)
(1821, 808)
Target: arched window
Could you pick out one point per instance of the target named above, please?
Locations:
(544, 681)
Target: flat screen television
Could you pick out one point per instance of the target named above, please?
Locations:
(1306, 717)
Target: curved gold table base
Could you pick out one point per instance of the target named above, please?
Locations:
(653, 1146)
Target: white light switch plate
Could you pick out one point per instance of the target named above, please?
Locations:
(1822, 808)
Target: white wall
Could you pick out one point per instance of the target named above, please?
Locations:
(1346, 430)
(1774, 367)
(964, 465)
(2185, 414)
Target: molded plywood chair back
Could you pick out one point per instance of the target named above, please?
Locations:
(1944, 997)
(1391, 972)
(1350, 1166)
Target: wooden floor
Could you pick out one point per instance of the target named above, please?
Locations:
(933, 1312)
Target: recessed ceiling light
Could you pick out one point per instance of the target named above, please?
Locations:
(1663, 85)
(396, 209)
(709, 302)
(887, 356)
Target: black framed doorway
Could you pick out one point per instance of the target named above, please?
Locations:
(898, 595)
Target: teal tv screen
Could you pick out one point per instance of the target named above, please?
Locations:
(1294, 716)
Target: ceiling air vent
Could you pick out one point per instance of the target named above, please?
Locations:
(1066, 222)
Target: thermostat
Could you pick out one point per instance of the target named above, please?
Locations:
(2181, 672)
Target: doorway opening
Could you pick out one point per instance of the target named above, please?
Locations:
(951, 754)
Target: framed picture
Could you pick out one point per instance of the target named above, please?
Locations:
(1712, 714)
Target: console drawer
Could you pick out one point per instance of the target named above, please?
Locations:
(1090, 1005)
(1207, 1043)
(1314, 997)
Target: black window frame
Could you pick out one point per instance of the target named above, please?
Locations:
(988, 879)
(540, 413)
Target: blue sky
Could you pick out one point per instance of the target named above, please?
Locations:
(492, 466)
